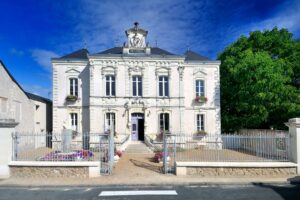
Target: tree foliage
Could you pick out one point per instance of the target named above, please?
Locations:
(260, 81)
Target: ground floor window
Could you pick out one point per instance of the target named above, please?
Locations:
(164, 121)
(110, 119)
(74, 121)
(200, 122)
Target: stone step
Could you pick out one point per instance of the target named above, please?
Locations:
(137, 148)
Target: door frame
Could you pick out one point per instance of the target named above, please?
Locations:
(137, 116)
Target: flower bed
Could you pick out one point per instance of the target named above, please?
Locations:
(159, 156)
(72, 156)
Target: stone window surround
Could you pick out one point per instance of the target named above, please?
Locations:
(116, 120)
(170, 119)
(204, 113)
(68, 77)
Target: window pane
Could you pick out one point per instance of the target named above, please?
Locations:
(140, 87)
(166, 87)
(113, 87)
(166, 122)
(107, 87)
(71, 87)
(134, 89)
(160, 89)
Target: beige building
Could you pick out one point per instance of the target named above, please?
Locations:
(138, 88)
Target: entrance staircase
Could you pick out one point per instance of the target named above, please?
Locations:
(137, 148)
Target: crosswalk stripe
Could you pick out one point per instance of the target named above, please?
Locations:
(138, 192)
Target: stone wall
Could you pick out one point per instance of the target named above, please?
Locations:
(48, 172)
(240, 171)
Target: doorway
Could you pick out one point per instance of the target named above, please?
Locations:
(137, 127)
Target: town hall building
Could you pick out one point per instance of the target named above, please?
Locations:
(137, 88)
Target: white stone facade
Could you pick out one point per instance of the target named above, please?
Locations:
(124, 63)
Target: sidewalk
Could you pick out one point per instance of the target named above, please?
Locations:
(139, 169)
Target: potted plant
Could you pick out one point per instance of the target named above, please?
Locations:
(200, 99)
(71, 98)
(201, 133)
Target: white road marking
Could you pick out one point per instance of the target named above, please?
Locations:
(34, 189)
(138, 192)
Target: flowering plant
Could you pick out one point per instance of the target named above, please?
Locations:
(200, 99)
(201, 133)
(158, 157)
(71, 98)
(118, 153)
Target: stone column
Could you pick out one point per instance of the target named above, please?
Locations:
(294, 131)
(7, 127)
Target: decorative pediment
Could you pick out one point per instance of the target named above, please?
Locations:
(201, 72)
(162, 71)
(109, 70)
(72, 71)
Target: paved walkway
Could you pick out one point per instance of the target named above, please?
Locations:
(139, 169)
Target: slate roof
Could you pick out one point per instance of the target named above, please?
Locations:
(119, 50)
(38, 98)
(192, 56)
(80, 54)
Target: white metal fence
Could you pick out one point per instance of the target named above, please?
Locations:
(228, 147)
(60, 147)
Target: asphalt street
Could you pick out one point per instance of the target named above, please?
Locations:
(186, 192)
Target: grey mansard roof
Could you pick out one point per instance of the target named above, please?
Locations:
(79, 54)
(83, 54)
(193, 56)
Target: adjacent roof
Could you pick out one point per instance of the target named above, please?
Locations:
(192, 56)
(12, 78)
(80, 54)
(119, 50)
(38, 98)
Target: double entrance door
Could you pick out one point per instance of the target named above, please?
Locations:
(137, 126)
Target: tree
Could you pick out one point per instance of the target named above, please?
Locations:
(260, 81)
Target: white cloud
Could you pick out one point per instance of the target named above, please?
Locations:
(168, 22)
(38, 90)
(43, 58)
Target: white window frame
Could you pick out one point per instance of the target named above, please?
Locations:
(200, 126)
(72, 83)
(163, 86)
(199, 86)
(110, 82)
(74, 121)
(135, 84)
(108, 118)
(159, 121)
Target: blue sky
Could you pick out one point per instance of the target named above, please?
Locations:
(32, 32)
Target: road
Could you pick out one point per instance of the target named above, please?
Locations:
(192, 192)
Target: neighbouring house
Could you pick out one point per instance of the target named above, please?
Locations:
(32, 113)
(42, 113)
(137, 88)
(15, 105)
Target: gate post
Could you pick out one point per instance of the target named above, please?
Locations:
(294, 133)
(111, 149)
(165, 153)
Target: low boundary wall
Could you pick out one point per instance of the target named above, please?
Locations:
(211, 169)
(34, 169)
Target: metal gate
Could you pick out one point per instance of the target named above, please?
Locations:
(106, 150)
(169, 153)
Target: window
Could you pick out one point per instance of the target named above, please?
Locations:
(163, 86)
(199, 88)
(3, 105)
(164, 121)
(74, 87)
(110, 85)
(137, 89)
(200, 122)
(110, 119)
(74, 121)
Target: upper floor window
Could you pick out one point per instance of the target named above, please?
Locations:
(163, 86)
(137, 87)
(110, 85)
(200, 122)
(74, 87)
(164, 121)
(74, 121)
(199, 88)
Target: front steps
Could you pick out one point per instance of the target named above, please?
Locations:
(137, 147)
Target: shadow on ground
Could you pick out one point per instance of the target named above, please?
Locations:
(145, 165)
(286, 191)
